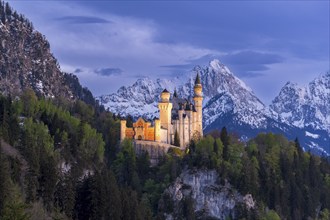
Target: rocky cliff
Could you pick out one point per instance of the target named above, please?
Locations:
(210, 199)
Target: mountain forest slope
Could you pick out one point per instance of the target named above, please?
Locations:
(26, 62)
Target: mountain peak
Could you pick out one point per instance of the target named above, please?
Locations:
(305, 106)
(217, 66)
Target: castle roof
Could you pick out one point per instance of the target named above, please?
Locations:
(188, 107)
(198, 80)
(165, 91)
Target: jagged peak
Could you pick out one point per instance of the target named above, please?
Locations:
(143, 81)
(217, 66)
(323, 78)
(290, 85)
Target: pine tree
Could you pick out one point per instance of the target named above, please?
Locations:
(225, 140)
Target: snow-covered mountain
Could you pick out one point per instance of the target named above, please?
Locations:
(305, 106)
(223, 93)
(226, 94)
(139, 99)
(295, 112)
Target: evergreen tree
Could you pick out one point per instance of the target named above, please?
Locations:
(225, 140)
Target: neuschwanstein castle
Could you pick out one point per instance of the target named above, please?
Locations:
(175, 115)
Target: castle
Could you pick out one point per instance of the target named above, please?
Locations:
(179, 120)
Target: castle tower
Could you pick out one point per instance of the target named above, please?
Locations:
(165, 113)
(181, 128)
(157, 130)
(122, 129)
(198, 100)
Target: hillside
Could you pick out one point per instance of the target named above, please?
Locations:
(68, 164)
(26, 62)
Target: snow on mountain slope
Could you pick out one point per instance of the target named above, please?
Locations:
(225, 93)
(305, 106)
(139, 99)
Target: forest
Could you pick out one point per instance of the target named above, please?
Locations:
(63, 160)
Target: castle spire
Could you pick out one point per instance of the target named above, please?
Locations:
(175, 93)
(198, 100)
(198, 80)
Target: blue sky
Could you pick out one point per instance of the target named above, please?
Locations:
(108, 44)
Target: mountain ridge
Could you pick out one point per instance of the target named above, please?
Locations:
(229, 102)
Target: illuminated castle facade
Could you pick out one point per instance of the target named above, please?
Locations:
(178, 119)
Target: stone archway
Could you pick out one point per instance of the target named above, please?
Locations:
(139, 137)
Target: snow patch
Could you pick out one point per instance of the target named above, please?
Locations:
(315, 136)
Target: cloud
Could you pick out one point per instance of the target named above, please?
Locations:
(254, 57)
(250, 74)
(250, 64)
(78, 70)
(82, 20)
(109, 71)
(190, 64)
(129, 43)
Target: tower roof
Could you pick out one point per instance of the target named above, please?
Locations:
(175, 93)
(165, 91)
(198, 80)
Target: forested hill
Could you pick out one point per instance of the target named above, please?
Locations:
(27, 62)
(62, 160)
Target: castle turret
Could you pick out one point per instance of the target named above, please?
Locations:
(181, 131)
(198, 99)
(157, 130)
(122, 129)
(165, 113)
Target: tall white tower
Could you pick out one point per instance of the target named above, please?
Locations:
(165, 113)
(198, 100)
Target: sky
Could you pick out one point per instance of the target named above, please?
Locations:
(108, 44)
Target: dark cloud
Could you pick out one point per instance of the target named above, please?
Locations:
(253, 57)
(108, 71)
(190, 64)
(251, 63)
(176, 66)
(78, 70)
(82, 20)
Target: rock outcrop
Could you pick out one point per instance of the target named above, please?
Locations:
(210, 198)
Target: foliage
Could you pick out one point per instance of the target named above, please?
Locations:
(69, 164)
(293, 183)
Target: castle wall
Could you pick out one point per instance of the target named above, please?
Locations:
(186, 131)
(129, 133)
(155, 150)
(150, 134)
(157, 131)
(163, 135)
